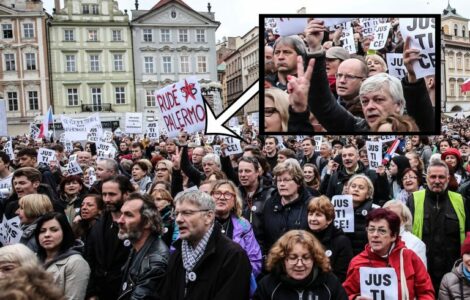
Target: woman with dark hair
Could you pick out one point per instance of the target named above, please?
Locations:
(299, 269)
(90, 211)
(396, 167)
(412, 181)
(60, 253)
(386, 250)
(140, 176)
(458, 175)
(72, 191)
(164, 204)
(311, 176)
(443, 145)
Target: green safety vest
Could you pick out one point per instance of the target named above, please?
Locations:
(457, 203)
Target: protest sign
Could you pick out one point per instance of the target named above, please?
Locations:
(423, 37)
(255, 119)
(3, 118)
(347, 39)
(92, 135)
(91, 176)
(395, 65)
(10, 231)
(380, 36)
(209, 139)
(181, 106)
(74, 129)
(153, 131)
(270, 23)
(5, 186)
(344, 212)
(291, 26)
(33, 131)
(68, 146)
(233, 146)
(45, 156)
(368, 26)
(378, 283)
(387, 138)
(217, 150)
(107, 137)
(374, 154)
(74, 168)
(233, 122)
(94, 122)
(318, 140)
(118, 132)
(331, 22)
(133, 123)
(9, 149)
(105, 150)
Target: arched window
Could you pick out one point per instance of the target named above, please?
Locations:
(463, 31)
(455, 29)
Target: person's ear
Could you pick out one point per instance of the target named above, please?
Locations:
(36, 184)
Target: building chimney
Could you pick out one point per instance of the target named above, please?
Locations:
(57, 5)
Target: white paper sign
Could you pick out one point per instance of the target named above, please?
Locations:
(3, 118)
(233, 146)
(344, 212)
(74, 129)
(291, 26)
(233, 122)
(74, 168)
(5, 186)
(91, 176)
(380, 36)
(107, 137)
(94, 122)
(347, 38)
(181, 107)
(33, 131)
(395, 65)
(423, 37)
(9, 150)
(255, 119)
(92, 135)
(10, 232)
(374, 154)
(368, 26)
(45, 156)
(318, 140)
(379, 283)
(387, 138)
(118, 132)
(134, 123)
(331, 22)
(209, 139)
(153, 132)
(105, 150)
(68, 146)
(217, 150)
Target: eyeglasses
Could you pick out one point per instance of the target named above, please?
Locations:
(294, 260)
(162, 199)
(348, 77)
(269, 111)
(410, 177)
(161, 170)
(225, 195)
(187, 213)
(287, 180)
(380, 231)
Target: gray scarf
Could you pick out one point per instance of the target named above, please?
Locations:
(191, 256)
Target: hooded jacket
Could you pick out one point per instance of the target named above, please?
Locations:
(244, 236)
(454, 285)
(417, 278)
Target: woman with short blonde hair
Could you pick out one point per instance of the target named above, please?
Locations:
(276, 110)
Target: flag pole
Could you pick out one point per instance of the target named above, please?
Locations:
(53, 124)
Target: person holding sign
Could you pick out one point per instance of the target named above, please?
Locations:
(321, 216)
(299, 269)
(386, 250)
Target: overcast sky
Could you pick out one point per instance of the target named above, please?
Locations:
(239, 16)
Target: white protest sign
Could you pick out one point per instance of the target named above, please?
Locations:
(107, 137)
(380, 36)
(182, 107)
(368, 26)
(153, 132)
(33, 131)
(91, 176)
(270, 23)
(217, 150)
(395, 65)
(255, 119)
(94, 122)
(9, 149)
(347, 39)
(133, 123)
(331, 22)
(374, 154)
(74, 129)
(74, 168)
(344, 212)
(291, 26)
(68, 146)
(3, 118)
(10, 232)
(233, 122)
(210, 139)
(5, 186)
(45, 156)
(105, 150)
(233, 146)
(318, 140)
(379, 283)
(92, 135)
(387, 138)
(423, 37)
(118, 132)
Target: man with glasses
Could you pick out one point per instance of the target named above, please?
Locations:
(205, 264)
(439, 220)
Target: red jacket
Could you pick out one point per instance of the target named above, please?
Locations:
(417, 278)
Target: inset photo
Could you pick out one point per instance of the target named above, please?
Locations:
(355, 74)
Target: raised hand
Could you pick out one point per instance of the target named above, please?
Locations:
(409, 57)
(314, 33)
(176, 159)
(298, 87)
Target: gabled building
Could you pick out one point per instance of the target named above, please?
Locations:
(171, 41)
(24, 74)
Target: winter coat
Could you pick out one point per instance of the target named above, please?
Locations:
(71, 207)
(358, 238)
(412, 242)
(27, 237)
(223, 272)
(244, 236)
(325, 287)
(454, 285)
(169, 225)
(144, 271)
(417, 278)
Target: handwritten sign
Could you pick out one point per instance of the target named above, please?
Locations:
(318, 140)
(105, 150)
(10, 232)
(233, 146)
(344, 212)
(133, 123)
(45, 156)
(74, 168)
(9, 149)
(5, 186)
(33, 131)
(374, 154)
(94, 122)
(153, 132)
(379, 283)
(380, 36)
(74, 129)
(347, 39)
(387, 138)
(368, 26)
(395, 65)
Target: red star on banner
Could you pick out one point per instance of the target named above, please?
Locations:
(187, 89)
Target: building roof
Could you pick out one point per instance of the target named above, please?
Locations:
(163, 2)
(451, 12)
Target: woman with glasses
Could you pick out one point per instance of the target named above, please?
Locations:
(228, 211)
(276, 110)
(299, 269)
(386, 250)
(412, 181)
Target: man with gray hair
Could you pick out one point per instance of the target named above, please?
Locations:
(105, 168)
(205, 264)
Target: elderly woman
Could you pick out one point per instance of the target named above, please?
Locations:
(287, 205)
(14, 256)
(31, 208)
(375, 64)
(386, 249)
(72, 191)
(140, 176)
(321, 216)
(163, 170)
(412, 181)
(406, 225)
(228, 211)
(276, 110)
(299, 269)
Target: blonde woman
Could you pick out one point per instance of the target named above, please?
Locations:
(276, 110)
(15, 256)
(376, 64)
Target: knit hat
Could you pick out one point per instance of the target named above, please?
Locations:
(454, 152)
(466, 245)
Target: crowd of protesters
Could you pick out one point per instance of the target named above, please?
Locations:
(313, 84)
(175, 219)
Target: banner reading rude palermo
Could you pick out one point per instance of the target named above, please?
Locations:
(181, 106)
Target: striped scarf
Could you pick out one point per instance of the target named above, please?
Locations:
(191, 256)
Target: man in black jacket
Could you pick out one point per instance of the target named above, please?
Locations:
(144, 271)
(27, 157)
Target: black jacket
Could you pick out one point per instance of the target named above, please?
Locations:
(324, 287)
(106, 254)
(144, 271)
(223, 272)
(359, 236)
(338, 248)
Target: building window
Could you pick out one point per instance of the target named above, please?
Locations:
(96, 96)
(201, 64)
(184, 64)
(28, 31)
(183, 35)
(148, 64)
(150, 96)
(165, 35)
(118, 62)
(467, 63)
(166, 64)
(120, 93)
(86, 9)
(455, 29)
(200, 35)
(452, 89)
(463, 31)
(30, 61)
(92, 35)
(12, 101)
(148, 35)
(70, 63)
(7, 31)
(451, 62)
(459, 63)
(72, 97)
(69, 35)
(94, 63)
(117, 35)
(33, 100)
(10, 64)
(95, 9)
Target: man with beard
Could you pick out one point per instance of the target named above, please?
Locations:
(104, 251)
(439, 220)
(144, 271)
